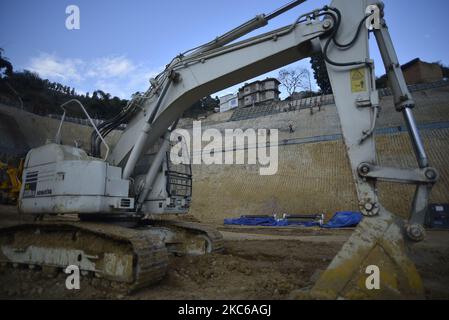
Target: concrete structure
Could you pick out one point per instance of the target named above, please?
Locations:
(314, 174)
(29, 130)
(12, 141)
(417, 71)
(228, 102)
(259, 92)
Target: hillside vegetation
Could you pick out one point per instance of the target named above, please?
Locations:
(27, 90)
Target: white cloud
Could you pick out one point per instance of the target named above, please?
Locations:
(109, 67)
(116, 75)
(50, 66)
(124, 87)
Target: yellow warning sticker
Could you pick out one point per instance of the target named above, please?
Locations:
(358, 81)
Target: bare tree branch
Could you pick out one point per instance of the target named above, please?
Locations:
(294, 79)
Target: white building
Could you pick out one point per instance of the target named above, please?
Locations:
(228, 102)
(259, 92)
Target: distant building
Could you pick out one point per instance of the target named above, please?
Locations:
(417, 71)
(259, 92)
(228, 102)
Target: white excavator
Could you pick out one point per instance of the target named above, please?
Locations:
(123, 195)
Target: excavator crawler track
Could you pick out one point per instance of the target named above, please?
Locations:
(130, 258)
(213, 238)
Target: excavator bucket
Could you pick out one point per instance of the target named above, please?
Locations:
(373, 264)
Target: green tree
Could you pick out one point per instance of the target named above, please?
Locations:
(320, 73)
(202, 107)
(6, 68)
(44, 97)
(382, 82)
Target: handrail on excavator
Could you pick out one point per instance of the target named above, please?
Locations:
(58, 134)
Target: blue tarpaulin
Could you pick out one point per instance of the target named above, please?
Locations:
(339, 220)
(344, 220)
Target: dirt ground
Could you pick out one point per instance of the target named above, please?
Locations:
(258, 263)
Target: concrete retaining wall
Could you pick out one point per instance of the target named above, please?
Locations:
(312, 178)
(12, 141)
(36, 130)
(316, 177)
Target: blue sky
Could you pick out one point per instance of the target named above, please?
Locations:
(122, 43)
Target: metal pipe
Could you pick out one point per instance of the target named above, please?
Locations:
(403, 98)
(249, 26)
(258, 22)
(153, 171)
(418, 145)
(155, 166)
(284, 9)
(58, 135)
(306, 216)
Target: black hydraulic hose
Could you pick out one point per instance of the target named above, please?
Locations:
(105, 128)
(356, 36)
(115, 125)
(332, 38)
(95, 137)
(108, 129)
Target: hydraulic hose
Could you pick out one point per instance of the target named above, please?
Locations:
(332, 38)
